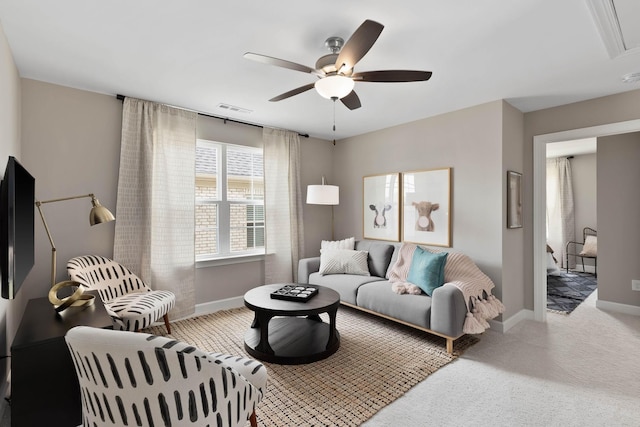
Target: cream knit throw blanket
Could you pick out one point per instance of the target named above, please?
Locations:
(459, 271)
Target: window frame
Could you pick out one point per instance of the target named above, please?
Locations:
(223, 234)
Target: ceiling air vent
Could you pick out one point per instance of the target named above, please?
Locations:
(617, 21)
(233, 108)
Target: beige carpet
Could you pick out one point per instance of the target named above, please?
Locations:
(378, 361)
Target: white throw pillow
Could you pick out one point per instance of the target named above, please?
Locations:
(343, 261)
(590, 246)
(349, 243)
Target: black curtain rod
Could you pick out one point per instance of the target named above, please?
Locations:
(224, 119)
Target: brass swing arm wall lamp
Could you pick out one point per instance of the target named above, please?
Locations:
(98, 215)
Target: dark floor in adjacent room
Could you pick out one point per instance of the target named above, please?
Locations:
(565, 291)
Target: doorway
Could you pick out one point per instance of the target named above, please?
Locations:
(571, 184)
(539, 200)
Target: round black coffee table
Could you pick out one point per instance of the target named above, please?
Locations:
(279, 333)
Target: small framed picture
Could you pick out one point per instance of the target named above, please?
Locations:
(514, 199)
(381, 207)
(426, 207)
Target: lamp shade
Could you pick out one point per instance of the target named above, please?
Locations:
(334, 86)
(99, 213)
(323, 195)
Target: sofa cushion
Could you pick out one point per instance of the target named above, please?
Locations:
(345, 284)
(348, 243)
(379, 256)
(378, 297)
(394, 258)
(427, 270)
(343, 261)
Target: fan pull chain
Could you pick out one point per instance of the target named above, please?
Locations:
(334, 119)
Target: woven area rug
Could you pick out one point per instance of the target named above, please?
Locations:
(566, 291)
(377, 362)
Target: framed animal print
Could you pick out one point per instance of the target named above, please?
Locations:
(381, 207)
(426, 207)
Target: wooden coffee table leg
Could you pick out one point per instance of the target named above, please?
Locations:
(263, 322)
(315, 317)
(332, 326)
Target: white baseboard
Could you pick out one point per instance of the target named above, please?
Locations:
(210, 307)
(512, 321)
(618, 308)
(223, 304)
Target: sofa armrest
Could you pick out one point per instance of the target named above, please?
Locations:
(306, 266)
(448, 310)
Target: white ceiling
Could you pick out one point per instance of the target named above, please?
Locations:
(533, 53)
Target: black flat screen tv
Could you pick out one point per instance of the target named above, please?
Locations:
(17, 211)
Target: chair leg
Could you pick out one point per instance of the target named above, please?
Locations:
(166, 323)
(253, 420)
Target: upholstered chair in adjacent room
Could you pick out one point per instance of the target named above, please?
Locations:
(139, 379)
(131, 304)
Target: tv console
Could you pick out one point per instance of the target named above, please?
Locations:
(44, 386)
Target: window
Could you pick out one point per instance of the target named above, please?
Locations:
(229, 200)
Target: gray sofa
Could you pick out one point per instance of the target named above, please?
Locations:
(442, 314)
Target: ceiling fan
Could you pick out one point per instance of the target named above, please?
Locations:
(336, 77)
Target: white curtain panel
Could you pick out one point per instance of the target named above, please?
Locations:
(560, 209)
(155, 225)
(283, 205)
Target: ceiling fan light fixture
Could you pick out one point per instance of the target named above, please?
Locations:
(337, 86)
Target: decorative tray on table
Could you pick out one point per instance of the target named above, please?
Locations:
(302, 293)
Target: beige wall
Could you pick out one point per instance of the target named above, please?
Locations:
(618, 210)
(473, 143)
(584, 180)
(71, 143)
(601, 111)
(512, 239)
(585, 194)
(10, 314)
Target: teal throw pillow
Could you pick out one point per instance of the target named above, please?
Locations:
(427, 270)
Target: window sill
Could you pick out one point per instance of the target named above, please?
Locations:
(238, 259)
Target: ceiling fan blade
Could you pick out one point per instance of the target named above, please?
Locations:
(392, 76)
(279, 62)
(358, 45)
(292, 92)
(351, 101)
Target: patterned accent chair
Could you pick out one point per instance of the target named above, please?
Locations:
(140, 379)
(131, 304)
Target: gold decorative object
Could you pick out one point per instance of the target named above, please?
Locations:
(78, 298)
(98, 215)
